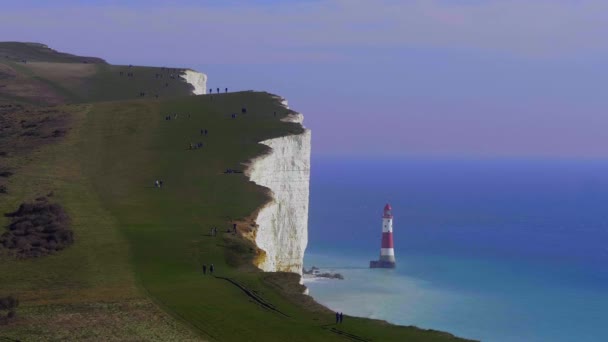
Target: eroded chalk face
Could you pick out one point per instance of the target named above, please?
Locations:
(283, 223)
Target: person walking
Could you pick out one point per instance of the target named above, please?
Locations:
(341, 317)
(211, 269)
(204, 269)
(337, 317)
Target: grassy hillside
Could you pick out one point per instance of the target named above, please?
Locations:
(36, 52)
(134, 271)
(41, 76)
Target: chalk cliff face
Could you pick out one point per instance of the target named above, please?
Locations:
(283, 223)
(197, 80)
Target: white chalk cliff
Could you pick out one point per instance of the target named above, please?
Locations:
(197, 79)
(282, 231)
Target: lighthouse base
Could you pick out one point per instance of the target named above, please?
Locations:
(381, 264)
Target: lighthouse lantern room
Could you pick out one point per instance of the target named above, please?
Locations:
(387, 251)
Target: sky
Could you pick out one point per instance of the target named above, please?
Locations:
(382, 78)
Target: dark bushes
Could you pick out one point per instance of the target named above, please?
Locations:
(37, 229)
(9, 304)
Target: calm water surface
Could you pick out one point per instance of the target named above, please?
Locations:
(492, 250)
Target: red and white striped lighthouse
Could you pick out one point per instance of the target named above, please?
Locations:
(387, 251)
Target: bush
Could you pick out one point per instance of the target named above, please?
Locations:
(37, 229)
(8, 303)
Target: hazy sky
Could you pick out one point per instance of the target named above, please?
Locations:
(457, 78)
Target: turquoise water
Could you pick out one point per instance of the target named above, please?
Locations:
(492, 250)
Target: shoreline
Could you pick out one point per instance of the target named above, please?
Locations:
(290, 281)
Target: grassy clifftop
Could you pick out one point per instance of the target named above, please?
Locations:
(134, 270)
(33, 74)
(36, 52)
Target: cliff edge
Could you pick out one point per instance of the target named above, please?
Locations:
(197, 80)
(282, 232)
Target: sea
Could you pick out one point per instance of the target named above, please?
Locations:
(493, 250)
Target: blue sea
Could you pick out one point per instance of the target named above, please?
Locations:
(495, 250)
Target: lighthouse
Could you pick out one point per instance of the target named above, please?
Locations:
(387, 252)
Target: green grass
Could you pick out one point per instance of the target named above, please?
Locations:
(44, 83)
(73, 292)
(167, 228)
(134, 241)
(108, 85)
(134, 271)
(61, 89)
(40, 53)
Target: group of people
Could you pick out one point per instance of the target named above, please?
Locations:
(211, 269)
(173, 116)
(194, 146)
(143, 94)
(158, 183)
(243, 110)
(339, 317)
(218, 90)
(232, 171)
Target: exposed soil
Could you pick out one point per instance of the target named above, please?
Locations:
(24, 128)
(18, 86)
(37, 229)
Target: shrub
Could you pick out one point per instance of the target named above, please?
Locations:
(37, 229)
